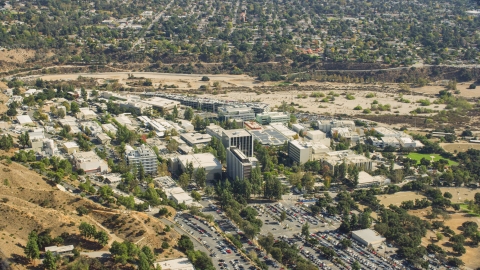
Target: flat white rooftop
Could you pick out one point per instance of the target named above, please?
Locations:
(59, 249)
(24, 119)
(177, 264)
(70, 144)
(202, 160)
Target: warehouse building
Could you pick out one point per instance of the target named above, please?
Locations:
(368, 237)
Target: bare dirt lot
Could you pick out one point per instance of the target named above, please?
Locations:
(459, 147)
(399, 197)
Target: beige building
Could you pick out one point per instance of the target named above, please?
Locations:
(333, 159)
(70, 147)
(89, 162)
(103, 138)
(86, 114)
(299, 152)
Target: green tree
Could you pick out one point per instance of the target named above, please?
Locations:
(12, 109)
(306, 230)
(74, 107)
(188, 114)
(149, 254)
(184, 180)
(143, 263)
(283, 216)
(87, 230)
(102, 238)
(84, 94)
(31, 250)
(24, 139)
(185, 243)
(200, 177)
(49, 262)
(196, 196)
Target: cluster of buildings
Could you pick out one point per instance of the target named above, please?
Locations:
(392, 138)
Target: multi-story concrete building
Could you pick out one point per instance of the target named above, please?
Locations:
(142, 156)
(238, 164)
(239, 138)
(236, 112)
(299, 152)
(272, 117)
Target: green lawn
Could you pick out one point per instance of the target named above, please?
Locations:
(418, 157)
(464, 208)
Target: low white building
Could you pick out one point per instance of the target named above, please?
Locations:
(176, 264)
(316, 135)
(178, 195)
(368, 237)
(207, 161)
(60, 250)
(24, 120)
(70, 147)
(196, 138)
(89, 162)
(86, 114)
(407, 142)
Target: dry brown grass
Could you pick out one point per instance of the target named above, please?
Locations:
(28, 202)
(140, 228)
(459, 147)
(16, 56)
(399, 197)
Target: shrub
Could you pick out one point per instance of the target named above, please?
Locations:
(367, 111)
(370, 95)
(205, 79)
(358, 108)
(424, 102)
(472, 86)
(350, 97)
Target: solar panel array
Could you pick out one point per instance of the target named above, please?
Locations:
(269, 137)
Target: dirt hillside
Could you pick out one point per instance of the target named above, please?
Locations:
(28, 202)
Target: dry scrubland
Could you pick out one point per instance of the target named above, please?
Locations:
(471, 257)
(340, 105)
(28, 203)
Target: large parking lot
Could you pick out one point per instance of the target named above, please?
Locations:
(296, 218)
(223, 254)
(229, 228)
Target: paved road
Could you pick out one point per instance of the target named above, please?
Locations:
(386, 69)
(96, 254)
(159, 15)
